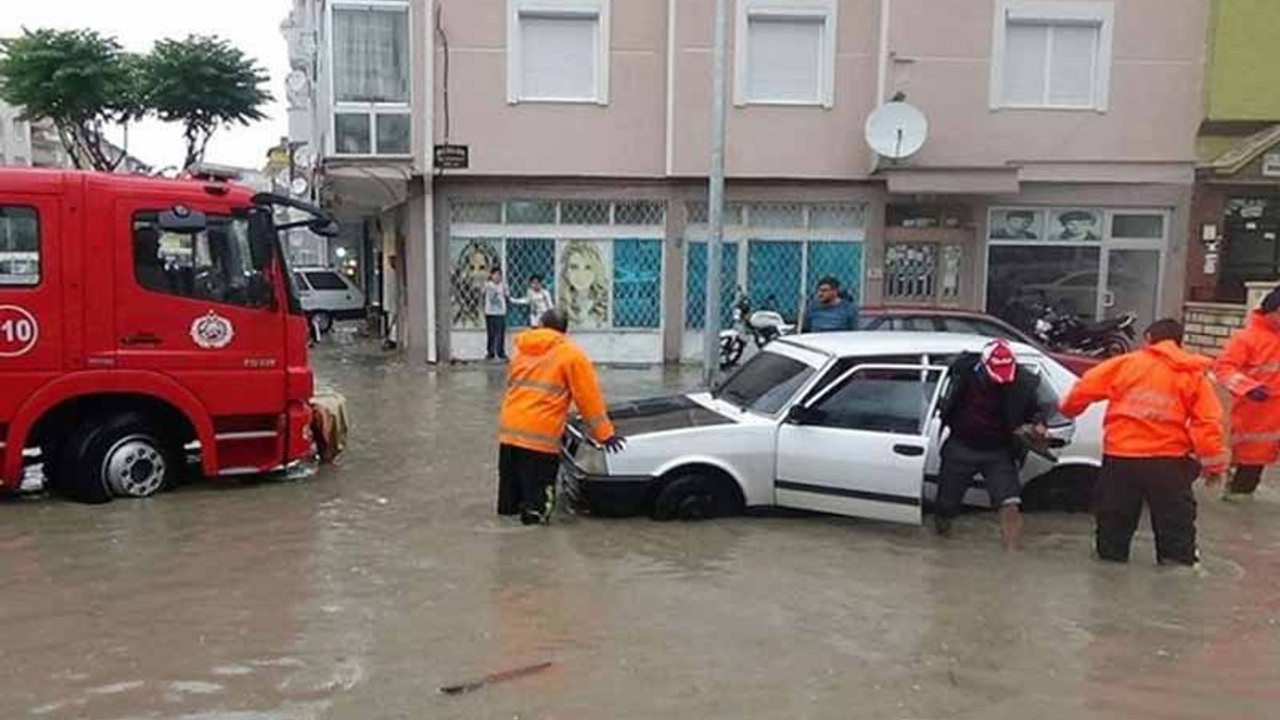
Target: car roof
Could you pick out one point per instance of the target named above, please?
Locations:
(854, 344)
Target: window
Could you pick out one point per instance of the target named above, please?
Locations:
(890, 400)
(786, 52)
(215, 265)
(299, 282)
(371, 79)
(1137, 226)
(558, 51)
(19, 246)
(1052, 54)
(844, 365)
(765, 383)
(326, 281)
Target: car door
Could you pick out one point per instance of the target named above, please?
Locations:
(305, 295)
(858, 447)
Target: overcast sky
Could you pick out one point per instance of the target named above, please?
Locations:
(252, 25)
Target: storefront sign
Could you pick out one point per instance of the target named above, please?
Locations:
(453, 157)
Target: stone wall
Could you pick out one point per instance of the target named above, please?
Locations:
(1210, 324)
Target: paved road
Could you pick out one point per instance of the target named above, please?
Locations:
(355, 594)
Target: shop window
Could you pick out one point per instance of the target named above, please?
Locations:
(774, 273)
(470, 261)
(1052, 55)
(696, 284)
(910, 272)
(489, 213)
(215, 265)
(733, 213)
(639, 213)
(584, 212)
(19, 246)
(637, 283)
(1135, 225)
(531, 212)
(840, 260)
(558, 52)
(584, 283)
(525, 258)
(1023, 279)
(776, 215)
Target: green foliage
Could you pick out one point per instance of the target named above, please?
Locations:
(79, 80)
(203, 83)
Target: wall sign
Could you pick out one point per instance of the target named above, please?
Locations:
(452, 157)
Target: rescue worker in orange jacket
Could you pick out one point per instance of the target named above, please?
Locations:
(1249, 367)
(547, 373)
(1163, 426)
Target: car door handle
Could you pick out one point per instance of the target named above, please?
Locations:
(140, 338)
(908, 450)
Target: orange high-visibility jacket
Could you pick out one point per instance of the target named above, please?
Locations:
(547, 373)
(1252, 360)
(1160, 404)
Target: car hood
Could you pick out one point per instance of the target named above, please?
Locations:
(640, 417)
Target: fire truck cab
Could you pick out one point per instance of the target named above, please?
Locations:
(143, 317)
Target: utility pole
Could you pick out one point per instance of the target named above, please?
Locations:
(715, 198)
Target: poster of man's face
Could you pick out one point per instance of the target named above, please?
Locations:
(1075, 224)
(1016, 224)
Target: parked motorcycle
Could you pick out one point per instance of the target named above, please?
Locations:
(763, 326)
(1065, 332)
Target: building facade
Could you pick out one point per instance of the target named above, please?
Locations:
(1058, 167)
(1234, 238)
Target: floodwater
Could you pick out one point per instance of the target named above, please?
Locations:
(358, 592)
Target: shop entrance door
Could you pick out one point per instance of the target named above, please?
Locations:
(1133, 284)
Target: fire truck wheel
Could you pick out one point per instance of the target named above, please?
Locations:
(115, 456)
(321, 321)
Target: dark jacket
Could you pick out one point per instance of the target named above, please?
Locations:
(1022, 404)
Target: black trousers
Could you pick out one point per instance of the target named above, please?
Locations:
(495, 328)
(1164, 484)
(526, 480)
(961, 464)
(1246, 479)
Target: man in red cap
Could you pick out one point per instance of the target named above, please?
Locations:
(988, 399)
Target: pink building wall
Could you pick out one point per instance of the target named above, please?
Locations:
(941, 58)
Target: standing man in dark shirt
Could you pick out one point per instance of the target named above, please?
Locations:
(989, 399)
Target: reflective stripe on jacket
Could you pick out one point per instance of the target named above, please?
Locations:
(1160, 404)
(548, 373)
(1251, 360)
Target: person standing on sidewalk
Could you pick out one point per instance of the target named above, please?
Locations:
(538, 298)
(829, 312)
(1162, 428)
(495, 316)
(988, 401)
(549, 372)
(1249, 368)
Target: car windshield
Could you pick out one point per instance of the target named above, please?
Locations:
(765, 383)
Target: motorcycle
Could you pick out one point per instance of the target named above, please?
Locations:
(1067, 333)
(763, 326)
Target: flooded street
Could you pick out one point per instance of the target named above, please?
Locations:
(357, 593)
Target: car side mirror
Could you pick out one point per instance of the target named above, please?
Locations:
(182, 220)
(799, 415)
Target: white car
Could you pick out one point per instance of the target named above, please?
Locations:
(842, 423)
(327, 295)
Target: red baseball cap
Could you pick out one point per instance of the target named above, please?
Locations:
(999, 362)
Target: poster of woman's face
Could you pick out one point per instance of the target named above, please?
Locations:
(583, 286)
(1075, 224)
(1016, 224)
(472, 261)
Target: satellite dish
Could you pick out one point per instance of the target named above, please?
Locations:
(896, 130)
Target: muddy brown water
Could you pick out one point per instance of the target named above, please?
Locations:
(357, 593)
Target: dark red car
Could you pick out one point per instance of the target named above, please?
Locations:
(961, 321)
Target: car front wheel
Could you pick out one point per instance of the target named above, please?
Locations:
(697, 496)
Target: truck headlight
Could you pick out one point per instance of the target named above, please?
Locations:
(591, 458)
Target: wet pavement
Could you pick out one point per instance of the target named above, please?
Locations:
(357, 593)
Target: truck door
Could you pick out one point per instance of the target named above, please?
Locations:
(31, 287)
(858, 448)
(199, 307)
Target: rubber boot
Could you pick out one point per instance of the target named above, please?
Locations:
(1011, 527)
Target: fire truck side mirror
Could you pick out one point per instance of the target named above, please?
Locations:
(182, 220)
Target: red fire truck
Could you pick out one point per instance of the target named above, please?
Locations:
(141, 318)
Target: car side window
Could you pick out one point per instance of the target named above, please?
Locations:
(325, 281)
(888, 400)
(19, 246)
(844, 365)
(215, 265)
(300, 282)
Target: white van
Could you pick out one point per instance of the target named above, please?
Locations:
(327, 295)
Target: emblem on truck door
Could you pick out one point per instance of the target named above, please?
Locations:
(19, 331)
(212, 332)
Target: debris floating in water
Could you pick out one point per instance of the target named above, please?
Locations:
(497, 677)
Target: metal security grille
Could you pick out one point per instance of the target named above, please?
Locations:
(637, 283)
(774, 276)
(470, 261)
(476, 212)
(639, 213)
(525, 258)
(952, 256)
(776, 215)
(584, 212)
(695, 303)
(910, 271)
